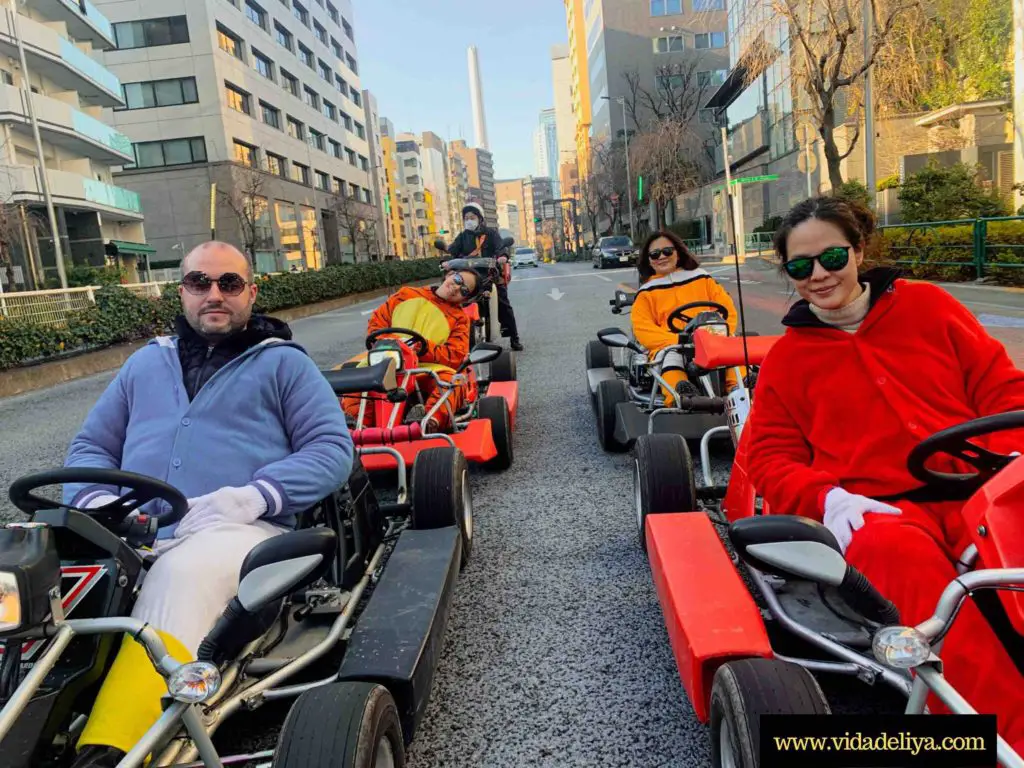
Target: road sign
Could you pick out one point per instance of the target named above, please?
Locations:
(805, 159)
(756, 179)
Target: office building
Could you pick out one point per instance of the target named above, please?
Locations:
(480, 172)
(565, 120)
(458, 188)
(394, 210)
(508, 220)
(434, 156)
(381, 230)
(546, 146)
(579, 81)
(417, 209)
(98, 221)
(255, 107)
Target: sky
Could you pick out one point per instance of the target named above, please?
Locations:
(412, 57)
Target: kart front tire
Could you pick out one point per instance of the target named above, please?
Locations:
(663, 479)
(598, 355)
(504, 367)
(441, 495)
(342, 725)
(495, 410)
(610, 393)
(743, 691)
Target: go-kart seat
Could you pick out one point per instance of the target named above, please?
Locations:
(354, 380)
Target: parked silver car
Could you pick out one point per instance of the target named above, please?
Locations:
(524, 257)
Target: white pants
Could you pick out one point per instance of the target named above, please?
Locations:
(194, 579)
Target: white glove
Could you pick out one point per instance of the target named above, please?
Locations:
(225, 505)
(102, 500)
(844, 514)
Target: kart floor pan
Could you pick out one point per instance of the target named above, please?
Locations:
(596, 375)
(398, 638)
(631, 423)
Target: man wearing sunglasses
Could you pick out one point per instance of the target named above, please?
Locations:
(236, 416)
(436, 313)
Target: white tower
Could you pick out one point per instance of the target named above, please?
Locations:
(476, 94)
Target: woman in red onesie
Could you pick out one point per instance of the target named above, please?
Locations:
(869, 366)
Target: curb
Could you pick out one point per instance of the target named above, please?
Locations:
(19, 381)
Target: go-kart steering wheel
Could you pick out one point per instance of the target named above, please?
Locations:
(679, 314)
(419, 344)
(142, 490)
(955, 441)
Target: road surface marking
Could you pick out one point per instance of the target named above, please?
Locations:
(567, 277)
(1001, 321)
(555, 294)
(602, 277)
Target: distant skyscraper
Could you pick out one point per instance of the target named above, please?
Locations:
(546, 147)
(476, 94)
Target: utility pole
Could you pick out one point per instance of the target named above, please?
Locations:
(44, 184)
(869, 106)
(1018, 98)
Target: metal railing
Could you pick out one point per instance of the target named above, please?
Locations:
(52, 307)
(937, 243)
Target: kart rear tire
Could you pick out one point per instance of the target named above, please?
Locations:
(495, 410)
(441, 494)
(663, 479)
(743, 691)
(598, 355)
(342, 725)
(610, 393)
(504, 366)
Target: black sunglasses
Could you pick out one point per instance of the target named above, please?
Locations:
(832, 259)
(663, 253)
(198, 283)
(460, 281)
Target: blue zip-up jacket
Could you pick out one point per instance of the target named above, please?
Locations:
(267, 418)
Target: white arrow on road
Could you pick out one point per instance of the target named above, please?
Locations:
(556, 294)
(368, 312)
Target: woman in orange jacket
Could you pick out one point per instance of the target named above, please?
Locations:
(869, 366)
(669, 278)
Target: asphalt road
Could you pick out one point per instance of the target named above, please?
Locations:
(556, 654)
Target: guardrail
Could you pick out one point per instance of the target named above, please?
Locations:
(986, 244)
(52, 307)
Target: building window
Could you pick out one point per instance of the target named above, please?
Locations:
(341, 85)
(158, 154)
(360, 131)
(325, 70)
(271, 115)
(364, 163)
(669, 44)
(284, 37)
(335, 148)
(356, 98)
(316, 139)
(330, 111)
(339, 186)
(348, 33)
(351, 156)
(671, 82)
(238, 99)
(300, 13)
(263, 65)
(666, 7)
(246, 154)
(351, 63)
(255, 14)
(277, 165)
(713, 77)
(296, 129)
(346, 121)
(307, 56)
(290, 83)
(311, 97)
(320, 32)
(332, 12)
(151, 32)
(709, 40)
(300, 173)
(336, 47)
(708, 5)
(323, 181)
(707, 116)
(230, 42)
(159, 93)
(411, 162)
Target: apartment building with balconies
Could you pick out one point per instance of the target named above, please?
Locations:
(257, 102)
(69, 90)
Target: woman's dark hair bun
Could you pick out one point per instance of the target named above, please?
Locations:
(856, 220)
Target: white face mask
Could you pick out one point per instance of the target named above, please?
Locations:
(471, 224)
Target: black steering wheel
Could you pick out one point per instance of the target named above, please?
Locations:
(956, 442)
(679, 314)
(419, 344)
(142, 490)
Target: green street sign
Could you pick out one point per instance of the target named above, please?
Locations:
(754, 179)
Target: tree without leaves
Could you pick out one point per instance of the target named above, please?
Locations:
(247, 202)
(353, 216)
(677, 95)
(367, 238)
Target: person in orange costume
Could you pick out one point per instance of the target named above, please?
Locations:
(436, 313)
(670, 277)
(869, 366)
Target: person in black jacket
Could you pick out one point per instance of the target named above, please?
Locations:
(477, 239)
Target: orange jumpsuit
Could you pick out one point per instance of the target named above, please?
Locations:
(445, 326)
(841, 409)
(655, 301)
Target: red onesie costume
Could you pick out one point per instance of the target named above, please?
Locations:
(845, 409)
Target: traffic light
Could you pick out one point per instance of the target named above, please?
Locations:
(536, 219)
(443, 232)
(639, 187)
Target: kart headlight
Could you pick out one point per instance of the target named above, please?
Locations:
(901, 647)
(10, 602)
(378, 356)
(194, 683)
(716, 329)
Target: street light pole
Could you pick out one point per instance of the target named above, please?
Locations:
(869, 106)
(44, 184)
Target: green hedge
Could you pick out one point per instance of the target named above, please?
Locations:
(120, 316)
(931, 251)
